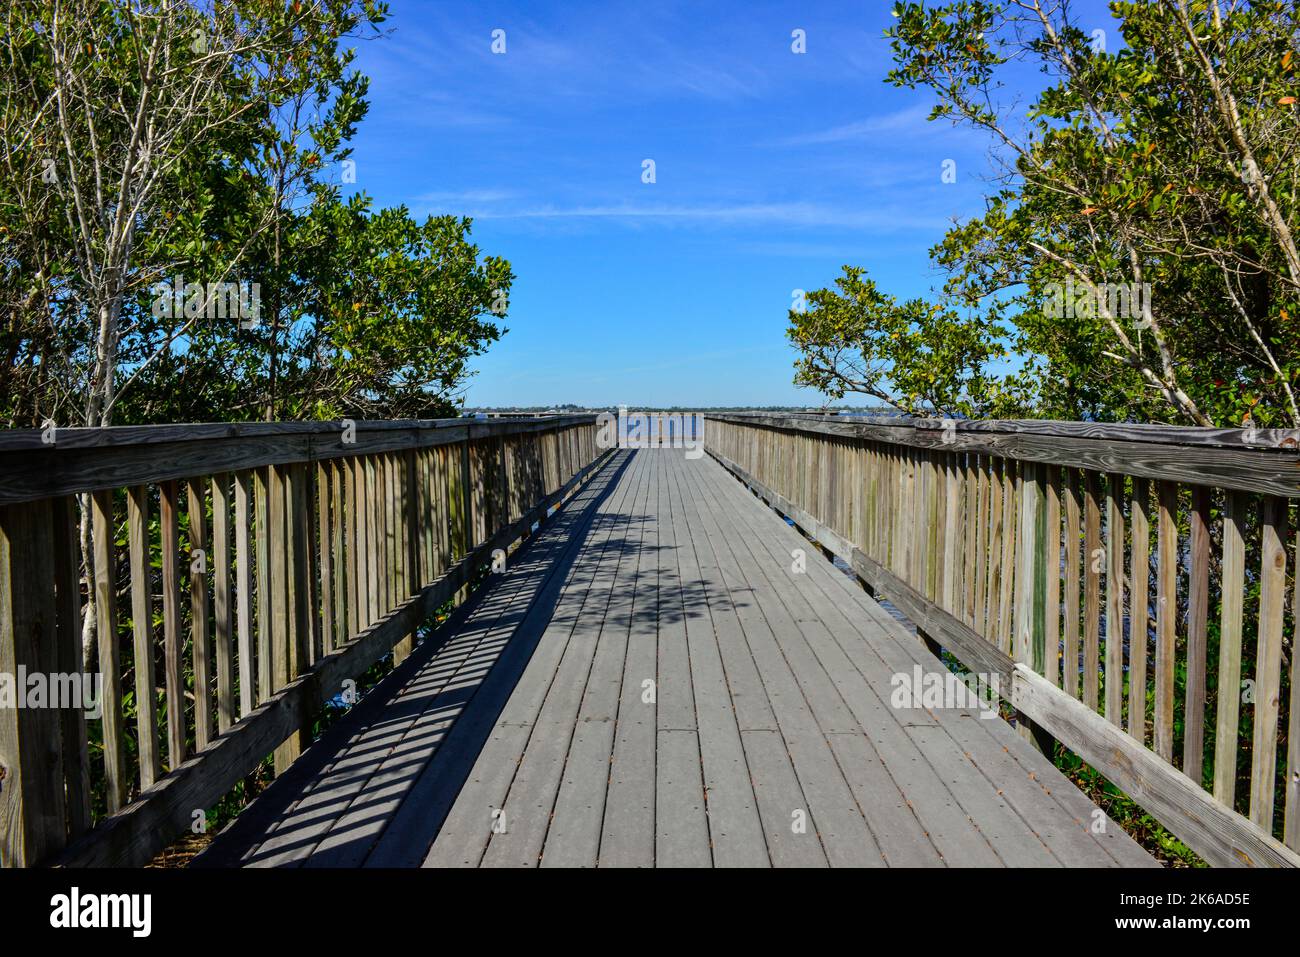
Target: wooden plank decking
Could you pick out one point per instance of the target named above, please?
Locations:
(652, 683)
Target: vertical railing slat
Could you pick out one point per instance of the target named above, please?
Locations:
(1139, 608)
(1232, 605)
(339, 556)
(1075, 566)
(1268, 659)
(1030, 572)
(115, 783)
(199, 606)
(1010, 515)
(1291, 810)
(173, 666)
(1198, 612)
(146, 682)
(358, 615)
(1114, 679)
(222, 617)
(1093, 563)
(370, 506)
(1166, 618)
(1052, 596)
(67, 587)
(244, 505)
(982, 505)
(262, 479)
(993, 559)
(325, 550)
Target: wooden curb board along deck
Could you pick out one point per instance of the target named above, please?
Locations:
(658, 680)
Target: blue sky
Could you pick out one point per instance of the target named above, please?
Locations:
(773, 169)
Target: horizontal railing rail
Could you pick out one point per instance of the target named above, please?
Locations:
(255, 568)
(42, 464)
(1126, 587)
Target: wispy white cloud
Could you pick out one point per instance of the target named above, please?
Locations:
(790, 214)
(788, 250)
(910, 121)
(592, 58)
(460, 197)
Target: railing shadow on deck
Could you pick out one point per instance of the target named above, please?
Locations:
(379, 705)
(436, 761)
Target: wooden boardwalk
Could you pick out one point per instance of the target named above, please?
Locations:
(653, 682)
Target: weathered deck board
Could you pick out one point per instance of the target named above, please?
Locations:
(953, 830)
(564, 648)
(881, 637)
(575, 830)
(318, 791)
(653, 682)
(735, 828)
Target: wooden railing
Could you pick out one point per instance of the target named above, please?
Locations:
(257, 567)
(1125, 588)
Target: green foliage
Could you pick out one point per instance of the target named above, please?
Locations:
(915, 355)
(1122, 809)
(148, 144)
(1167, 166)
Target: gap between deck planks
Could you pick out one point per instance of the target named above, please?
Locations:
(652, 683)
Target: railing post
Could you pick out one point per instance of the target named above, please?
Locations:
(1291, 801)
(31, 786)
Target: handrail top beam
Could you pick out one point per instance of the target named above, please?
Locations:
(117, 436)
(1264, 440)
(1236, 459)
(89, 460)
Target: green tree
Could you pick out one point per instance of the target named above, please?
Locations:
(121, 120)
(1138, 250)
(917, 356)
(156, 144)
(362, 343)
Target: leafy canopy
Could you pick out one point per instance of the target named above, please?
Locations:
(1165, 166)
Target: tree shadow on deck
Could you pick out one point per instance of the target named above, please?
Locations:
(376, 788)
